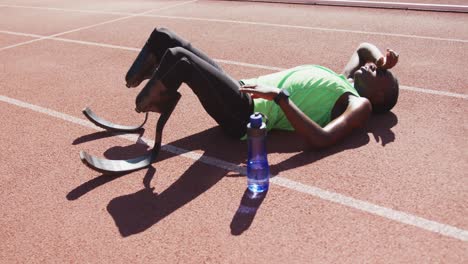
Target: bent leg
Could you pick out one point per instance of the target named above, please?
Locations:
(218, 92)
(160, 40)
(163, 39)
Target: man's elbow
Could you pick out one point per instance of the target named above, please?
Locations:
(324, 141)
(365, 46)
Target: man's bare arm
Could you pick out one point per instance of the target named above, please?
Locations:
(355, 115)
(367, 52)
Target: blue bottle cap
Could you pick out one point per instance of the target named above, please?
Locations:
(256, 120)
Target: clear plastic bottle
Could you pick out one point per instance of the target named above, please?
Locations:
(258, 170)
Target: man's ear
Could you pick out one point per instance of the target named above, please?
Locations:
(380, 96)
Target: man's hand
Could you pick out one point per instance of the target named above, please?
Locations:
(388, 61)
(366, 53)
(260, 91)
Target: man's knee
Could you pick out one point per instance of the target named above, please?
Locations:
(164, 38)
(161, 35)
(165, 35)
(175, 64)
(164, 30)
(178, 53)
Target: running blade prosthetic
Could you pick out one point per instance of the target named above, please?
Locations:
(107, 125)
(107, 166)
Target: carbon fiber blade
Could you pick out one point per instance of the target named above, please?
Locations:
(102, 123)
(107, 166)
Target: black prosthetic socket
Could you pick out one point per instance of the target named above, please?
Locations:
(155, 97)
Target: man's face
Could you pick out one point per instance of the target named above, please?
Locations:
(370, 82)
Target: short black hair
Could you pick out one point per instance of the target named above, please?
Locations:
(390, 95)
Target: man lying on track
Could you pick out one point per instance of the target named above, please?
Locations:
(319, 104)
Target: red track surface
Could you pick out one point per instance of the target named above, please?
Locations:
(54, 209)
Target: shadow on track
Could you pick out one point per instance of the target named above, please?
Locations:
(379, 126)
(101, 135)
(136, 212)
(246, 212)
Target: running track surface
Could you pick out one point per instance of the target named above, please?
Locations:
(393, 192)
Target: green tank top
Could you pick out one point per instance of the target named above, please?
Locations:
(313, 88)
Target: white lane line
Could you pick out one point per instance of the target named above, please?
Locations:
(388, 213)
(67, 9)
(95, 25)
(310, 28)
(384, 212)
(21, 34)
(377, 4)
(229, 62)
(250, 23)
(435, 92)
(250, 65)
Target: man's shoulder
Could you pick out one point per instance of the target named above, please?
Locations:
(360, 109)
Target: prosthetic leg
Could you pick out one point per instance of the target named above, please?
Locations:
(107, 166)
(142, 68)
(107, 125)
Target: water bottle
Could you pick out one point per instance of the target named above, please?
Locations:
(258, 171)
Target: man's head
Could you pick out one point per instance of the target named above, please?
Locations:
(377, 85)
